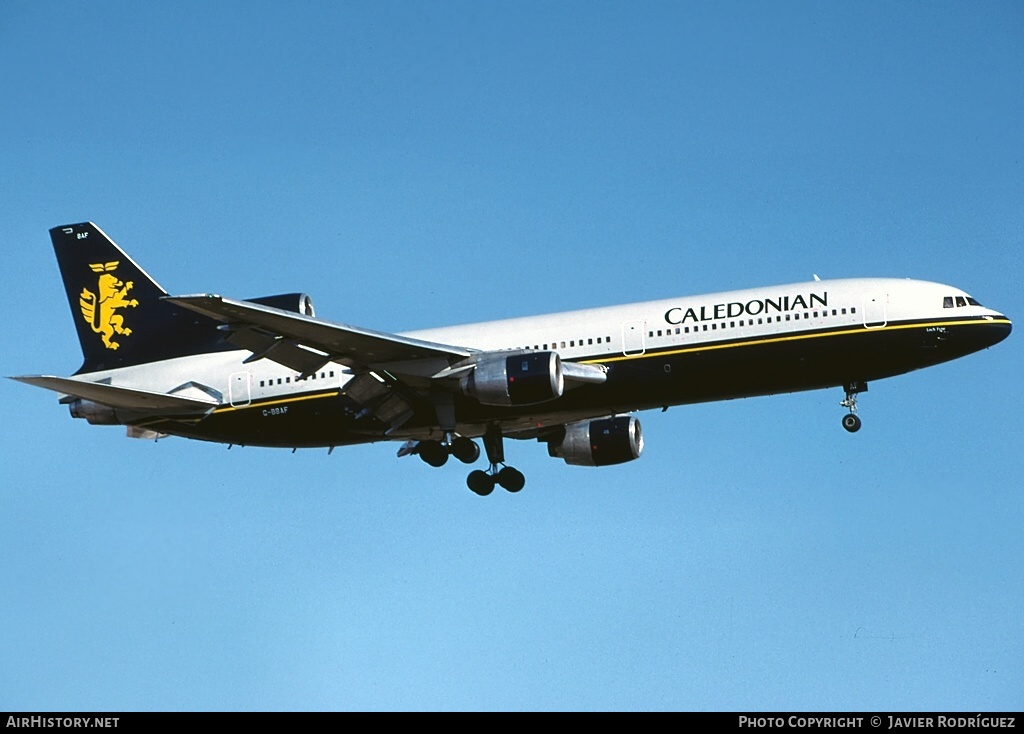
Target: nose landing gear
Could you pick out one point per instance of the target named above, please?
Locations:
(851, 421)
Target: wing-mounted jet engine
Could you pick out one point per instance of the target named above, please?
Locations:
(518, 379)
(601, 442)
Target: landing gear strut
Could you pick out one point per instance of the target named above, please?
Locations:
(482, 482)
(851, 421)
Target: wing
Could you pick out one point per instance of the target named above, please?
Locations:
(305, 343)
(395, 376)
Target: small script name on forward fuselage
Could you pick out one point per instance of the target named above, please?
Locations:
(753, 307)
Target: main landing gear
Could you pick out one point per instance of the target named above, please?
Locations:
(482, 482)
(436, 453)
(851, 421)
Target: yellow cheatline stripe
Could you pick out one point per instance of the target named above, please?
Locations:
(651, 355)
(796, 337)
(266, 403)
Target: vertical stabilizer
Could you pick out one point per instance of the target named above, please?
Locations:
(117, 308)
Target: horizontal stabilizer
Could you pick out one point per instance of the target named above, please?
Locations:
(122, 398)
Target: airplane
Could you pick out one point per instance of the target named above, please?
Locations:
(268, 372)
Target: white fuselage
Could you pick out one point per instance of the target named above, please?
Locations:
(607, 335)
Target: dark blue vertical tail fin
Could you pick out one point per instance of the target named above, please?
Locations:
(117, 308)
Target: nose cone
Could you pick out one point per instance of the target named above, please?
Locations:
(990, 330)
(1001, 327)
(975, 335)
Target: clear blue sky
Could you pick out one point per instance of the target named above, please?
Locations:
(422, 164)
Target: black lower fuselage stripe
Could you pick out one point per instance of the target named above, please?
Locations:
(672, 374)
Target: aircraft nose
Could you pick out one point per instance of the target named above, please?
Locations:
(979, 334)
(999, 329)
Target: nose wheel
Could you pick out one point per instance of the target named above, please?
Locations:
(851, 421)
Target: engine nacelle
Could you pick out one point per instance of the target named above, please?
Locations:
(600, 442)
(294, 302)
(96, 414)
(519, 379)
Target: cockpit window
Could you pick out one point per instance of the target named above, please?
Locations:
(947, 301)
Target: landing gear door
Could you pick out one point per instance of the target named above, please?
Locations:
(238, 389)
(875, 306)
(633, 338)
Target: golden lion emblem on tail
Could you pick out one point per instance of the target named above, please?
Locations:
(100, 312)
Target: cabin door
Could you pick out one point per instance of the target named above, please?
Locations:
(633, 338)
(238, 389)
(875, 305)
